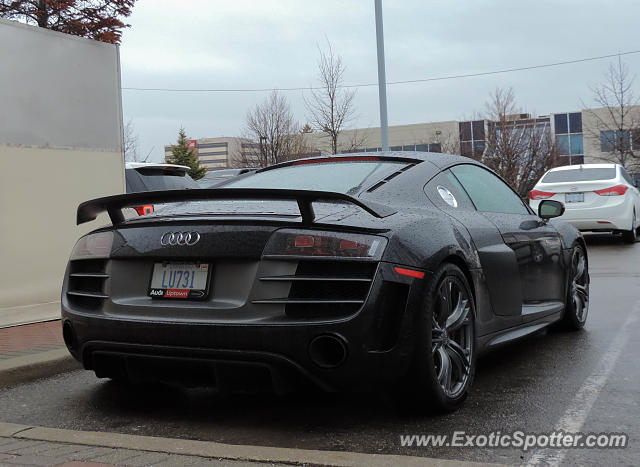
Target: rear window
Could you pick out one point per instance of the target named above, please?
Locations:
(342, 177)
(153, 179)
(580, 175)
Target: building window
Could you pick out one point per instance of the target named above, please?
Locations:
(635, 139)
(372, 150)
(396, 148)
(466, 149)
(212, 145)
(435, 147)
(568, 130)
(562, 141)
(411, 147)
(611, 141)
(576, 146)
(472, 138)
(575, 122)
(422, 147)
(211, 153)
(561, 123)
(465, 131)
(478, 130)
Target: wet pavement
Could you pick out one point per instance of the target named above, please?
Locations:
(535, 385)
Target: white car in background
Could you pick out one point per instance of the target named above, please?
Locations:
(597, 197)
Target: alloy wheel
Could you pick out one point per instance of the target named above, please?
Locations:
(579, 285)
(452, 336)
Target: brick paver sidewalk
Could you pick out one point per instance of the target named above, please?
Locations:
(27, 339)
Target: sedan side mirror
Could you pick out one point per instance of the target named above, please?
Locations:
(550, 208)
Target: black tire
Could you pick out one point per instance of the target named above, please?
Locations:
(577, 301)
(630, 236)
(445, 339)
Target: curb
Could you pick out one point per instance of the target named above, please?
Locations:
(24, 369)
(211, 449)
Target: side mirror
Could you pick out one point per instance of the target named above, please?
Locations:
(549, 208)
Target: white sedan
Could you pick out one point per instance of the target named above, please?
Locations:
(597, 197)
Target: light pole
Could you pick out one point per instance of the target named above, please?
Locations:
(382, 79)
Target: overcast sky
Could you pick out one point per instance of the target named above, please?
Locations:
(226, 44)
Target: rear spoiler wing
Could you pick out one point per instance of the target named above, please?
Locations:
(113, 205)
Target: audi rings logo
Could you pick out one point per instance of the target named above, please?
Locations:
(180, 238)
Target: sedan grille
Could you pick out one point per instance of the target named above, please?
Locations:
(87, 283)
(325, 289)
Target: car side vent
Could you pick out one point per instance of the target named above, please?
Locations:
(388, 317)
(325, 289)
(87, 283)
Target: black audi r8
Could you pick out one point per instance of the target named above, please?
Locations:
(393, 270)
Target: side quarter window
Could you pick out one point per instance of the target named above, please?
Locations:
(488, 192)
(445, 191)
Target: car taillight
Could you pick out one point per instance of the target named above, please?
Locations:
(143, 210)
(537, 194)
(290, 242)
(613, 191)
(93, 246)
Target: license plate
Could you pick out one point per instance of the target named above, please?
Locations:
(179, 280)
(574, 197)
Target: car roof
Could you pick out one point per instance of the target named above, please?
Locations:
(153, 165)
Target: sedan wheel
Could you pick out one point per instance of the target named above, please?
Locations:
(577, 306)
(630, 236)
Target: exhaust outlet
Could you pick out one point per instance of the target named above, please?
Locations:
(328, 350)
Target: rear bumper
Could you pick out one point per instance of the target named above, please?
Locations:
(616, 216)
(377, 342)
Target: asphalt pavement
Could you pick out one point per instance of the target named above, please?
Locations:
(585, 381)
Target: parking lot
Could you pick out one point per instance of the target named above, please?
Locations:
(586, 381)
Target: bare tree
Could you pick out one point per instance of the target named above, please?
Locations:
(356, 142)
(616, 123)
(272, 135)
(330, 108)
(130, 140)
(519, 149)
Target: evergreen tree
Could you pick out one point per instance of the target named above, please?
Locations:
(97, 19)
(182, 155)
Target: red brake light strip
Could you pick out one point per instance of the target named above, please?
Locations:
(338, 159)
